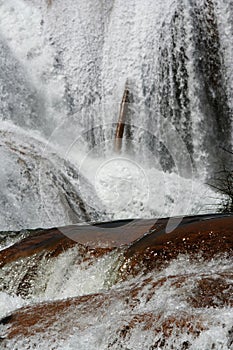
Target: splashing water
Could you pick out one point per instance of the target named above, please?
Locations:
(65, 67)
(62, 76)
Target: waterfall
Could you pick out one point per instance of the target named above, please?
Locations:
(153, 78)
(176, 57)
(63, 72)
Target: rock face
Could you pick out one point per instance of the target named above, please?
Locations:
(172, 288)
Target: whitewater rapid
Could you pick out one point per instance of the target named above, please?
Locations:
(71, 275)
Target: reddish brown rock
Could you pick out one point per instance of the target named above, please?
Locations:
(30, 320)
(64, 316)
(213, 292)
(196, 238)
(46, 316)
(54, 241)
(61, 317)
(51, 240)
(145, 239)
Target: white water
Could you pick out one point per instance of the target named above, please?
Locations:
(73, 59)
(94, 329)
(62, 76)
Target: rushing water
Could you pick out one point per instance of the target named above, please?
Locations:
(63, 70)
(166, 308)
(64, 67)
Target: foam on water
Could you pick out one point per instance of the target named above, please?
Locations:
(9, 303)
(100, 328)
(64, 73)
(70, 276)
(128, 189)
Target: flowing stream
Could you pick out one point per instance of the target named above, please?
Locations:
(64, 66)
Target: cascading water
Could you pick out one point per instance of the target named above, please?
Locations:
(63, 70)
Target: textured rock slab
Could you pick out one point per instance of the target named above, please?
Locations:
(138, 304)
(204, 237)
(60, 319)
(209, 234)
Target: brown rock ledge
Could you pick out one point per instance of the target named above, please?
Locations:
(146, 240)
(204, 237)
(146, 246)
(61, 317)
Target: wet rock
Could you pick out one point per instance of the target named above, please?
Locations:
(51, 241)
(61, 315)
(196, 237)
(27, 265)
(137, 304)
(97, 238)
(59, 319)
(213, 292)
